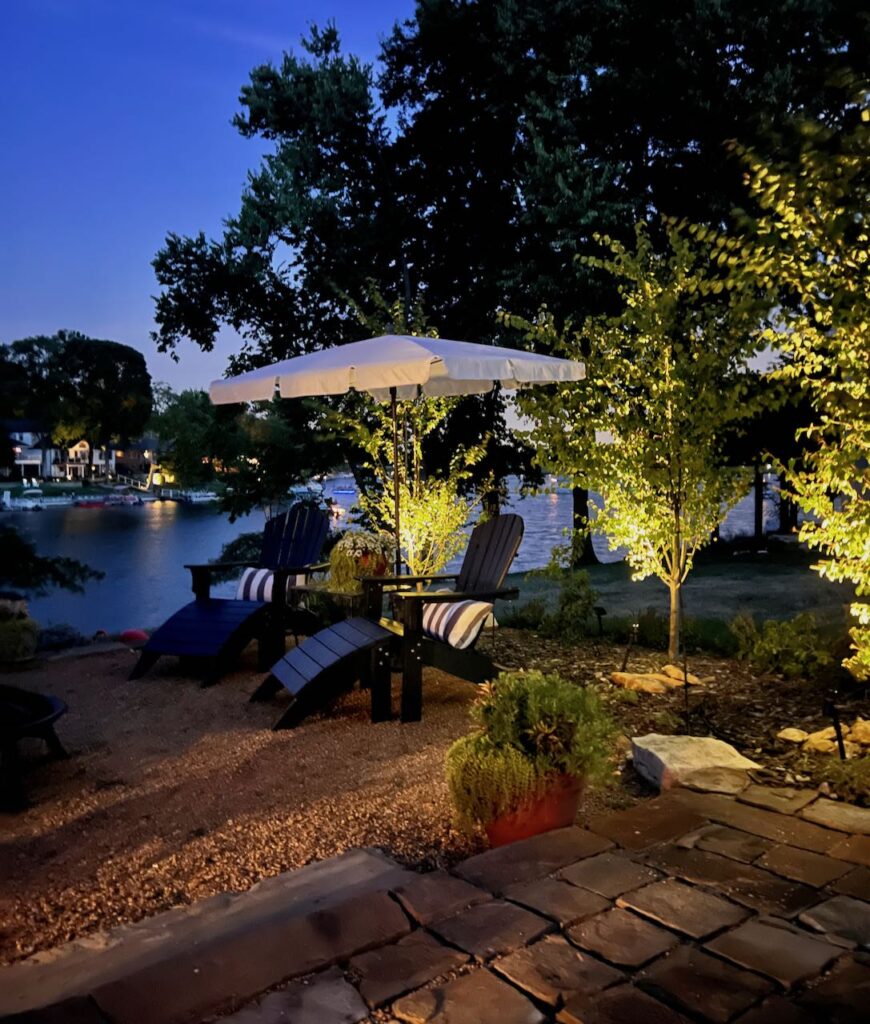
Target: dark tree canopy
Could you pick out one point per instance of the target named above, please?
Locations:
(22, 568)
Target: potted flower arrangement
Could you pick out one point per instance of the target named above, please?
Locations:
(359, 553)
(539, 741)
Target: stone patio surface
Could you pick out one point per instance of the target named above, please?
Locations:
(691, 907)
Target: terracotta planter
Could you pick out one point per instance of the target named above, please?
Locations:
(372, 565)
(557, 808)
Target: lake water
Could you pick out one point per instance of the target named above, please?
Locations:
(143, 550)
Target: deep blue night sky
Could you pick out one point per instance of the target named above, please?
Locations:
(115, 130)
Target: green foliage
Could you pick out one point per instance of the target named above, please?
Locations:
(666, 382)
(244, 548)
(792, 648)
(570, 621)
(531, 727)
(529, 615)
(810, 247)
(849, 779)
(698, 634)
(19, 639)
(21, 568)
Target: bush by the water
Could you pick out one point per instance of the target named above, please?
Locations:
(19, 638)
(850, 780)
(570, 621)
(531, 727)
(710, 635)
(793, 648)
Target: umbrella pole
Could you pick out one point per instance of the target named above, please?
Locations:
(395, 414)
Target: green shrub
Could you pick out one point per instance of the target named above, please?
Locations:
(791, 648)
(18, 639)
(525, 616)
(570, 621)
(711, 635)
(850, 779)
(531, 727)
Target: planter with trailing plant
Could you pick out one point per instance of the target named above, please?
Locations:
(359, 553)
(540, 740)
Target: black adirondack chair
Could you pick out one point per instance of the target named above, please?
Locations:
(23, 713)
(216, 630)
(330, 661)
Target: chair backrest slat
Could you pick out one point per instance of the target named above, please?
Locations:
(294, 538)
(491, 549)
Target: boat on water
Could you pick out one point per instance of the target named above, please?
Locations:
(198, 497)
(31, 499)
(306, 492)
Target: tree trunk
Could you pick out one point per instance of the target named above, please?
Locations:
(758, 494)
(581, 542)
(675, 621)
(787, 509)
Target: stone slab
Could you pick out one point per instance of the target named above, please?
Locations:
(780, 828)
(783, 954)
(841, 916)
(624, 1004)
(703, 985)
(734, 844)
(327, 998)
(389, 972)
(838, 815)
(531, 858)
(683, 908)
(553, 970)
(744, 883)
(783, 800)
(622, 938)
(856, 883)
(855, 850)
(558, 900)
(841, 998)
(232, 969)
(435, 895)
(490, 929)
(802, 866)
(665, 761)
(650, 822)
(608, 874)
(717, 780)
(81, 966)
(476, 998)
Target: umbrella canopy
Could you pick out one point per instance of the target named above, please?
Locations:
(435, 365)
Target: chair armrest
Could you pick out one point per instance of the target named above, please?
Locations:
(390, 581)
(213, 566)
(509, 594)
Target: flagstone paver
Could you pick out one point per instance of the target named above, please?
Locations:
(477, 998)
(326, 999)
(855, 850)
(385, 974)
(531, 858)
(744, 883)
(786, 801)
(785, 954)
(78, 1010)
(841, 916)
(732, 843)
(558, 900)
(855, 883)
(624, 1004)
(703, 985)
(609, 874)
(684, 908)
(553, 970)
(776, 1010)
(492, 928)
(837, 815)
(436, 895)
(650, 822)
(841, 998)
(622, 938)
(802, 866)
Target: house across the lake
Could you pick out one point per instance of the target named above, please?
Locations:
(35, 456)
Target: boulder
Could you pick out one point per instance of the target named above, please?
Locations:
(792, 735)
(675, 672)
(826, 734)
(860, 732)
(632, 681)
(717, 780)
(818, 745)
(667, 761)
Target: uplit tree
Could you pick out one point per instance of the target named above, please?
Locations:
(811, 244)
(666, 382)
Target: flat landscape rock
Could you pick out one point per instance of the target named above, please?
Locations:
(802, 866)
(650, 822)
(837, 815)
(784, 954)
(558, 900)
(843, 997)
(622, 938)
(784, 800)
(792, 735)
(732, 843)
(664, 761)
(855, 883)
(776, 1010)
(435, 895)
(391, 971)
(683, 908)
(704, 985)
(477, 998)
(609, 874)
(717, 780)
(553, 970)
(644, 682)
(842, 916)
(855, 850)
(675, 672)
(326, 999)
(492, 928)
(624, 1004)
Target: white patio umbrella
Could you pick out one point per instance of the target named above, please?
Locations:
(393, 367)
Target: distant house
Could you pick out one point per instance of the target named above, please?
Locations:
(74, 465)
(36, 456)
(138, 457)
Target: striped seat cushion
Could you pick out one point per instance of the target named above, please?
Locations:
(256, 585)
(458, 624)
